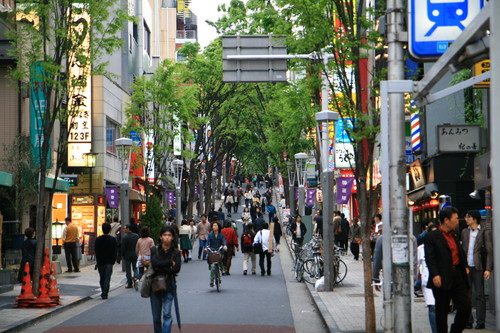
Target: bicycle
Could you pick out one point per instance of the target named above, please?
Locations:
(314, 267)
(339, 266)
(215, 259)
(298, 265)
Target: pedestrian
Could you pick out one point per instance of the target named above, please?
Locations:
(166, 263)
(478, 246)
(271, 210)
(213, 215)
(267, 240)
(185, 242)
(192, 236)
(133, 226)
(237, 202)
(228, 201)
(129, 244)
(245, 217)
(105, 255)
(203, 228)
(337, 227)
(318, 220)
(28, 253)
(215, 241)
(355, 237)
(259, 222)
(70, 237)
(430, 302)
(277, 233)
(232, 245)
(247, 239)
(448, 270)
(344, 235)
(298, 230)
(143, 250)
(221, 217)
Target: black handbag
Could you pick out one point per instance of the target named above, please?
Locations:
(257, 247)
(159, 284)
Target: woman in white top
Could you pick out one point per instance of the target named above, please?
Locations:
(268, 242)
(185, 239)
(245, 216)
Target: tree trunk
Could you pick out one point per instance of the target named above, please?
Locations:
(193, 177)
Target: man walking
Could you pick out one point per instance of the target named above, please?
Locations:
(264, 236)
(70, 237)
(203, 229)
(129, 256)
(105, 254)
(478, 246)
(448, 270)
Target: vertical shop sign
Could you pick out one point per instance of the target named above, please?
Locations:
(38, 99)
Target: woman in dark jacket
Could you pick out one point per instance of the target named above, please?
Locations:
(215, 240)
(166, 261)
(28, 253)
(277, 232)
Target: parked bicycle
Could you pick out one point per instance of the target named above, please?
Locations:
(298, 265)
(215, 262)
(339, 266)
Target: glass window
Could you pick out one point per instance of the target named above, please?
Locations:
(111, 136)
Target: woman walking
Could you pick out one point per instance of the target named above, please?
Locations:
(28, 253)
(166, 263)
(245, 217)
(232, 245)
(143, 250)
(184, 239)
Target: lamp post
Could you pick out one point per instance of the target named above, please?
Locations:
(178, 164)
(214, 177)
(90, 160)
(291, 186)
(201, 190)
(300, 167)
(124, 147)
(57, 231)
(323, 120)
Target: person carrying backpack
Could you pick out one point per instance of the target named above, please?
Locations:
(247, 248)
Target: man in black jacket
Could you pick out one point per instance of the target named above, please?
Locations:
(129, 256)
(105, 254)
(448, 271)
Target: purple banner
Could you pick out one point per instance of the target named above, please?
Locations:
(171, 197)
(112, 196)
(310, 196)
(197, 189)
(344, 189)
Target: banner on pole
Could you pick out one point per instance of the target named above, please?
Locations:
(170, 197)
(344, 189)
(310, 196)
(112, 196)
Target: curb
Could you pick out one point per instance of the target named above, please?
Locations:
(24, 323)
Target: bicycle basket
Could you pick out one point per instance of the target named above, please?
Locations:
(214, 257)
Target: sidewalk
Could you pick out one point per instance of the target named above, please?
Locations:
(343, 309)
(74, 288)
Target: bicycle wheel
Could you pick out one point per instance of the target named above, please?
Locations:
(299, 270)
(217, 277)
(341, 272)
(312, 271)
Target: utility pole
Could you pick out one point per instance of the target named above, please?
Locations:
(397, 173)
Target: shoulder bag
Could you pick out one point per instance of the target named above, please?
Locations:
(257, 247)
(146, 283)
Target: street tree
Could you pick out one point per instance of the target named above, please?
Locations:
(57, 44)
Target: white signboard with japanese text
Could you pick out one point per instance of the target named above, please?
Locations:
(459, 138)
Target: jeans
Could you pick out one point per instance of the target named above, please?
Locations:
(71, 256)
(432, 318)
(267, 255)
(203, 244)
(161, 301)
(477, 283)
(128, 272)
(105, 272)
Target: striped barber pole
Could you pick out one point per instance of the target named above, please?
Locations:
(415, 132)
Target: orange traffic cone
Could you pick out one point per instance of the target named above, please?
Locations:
(43, 300)
(53, 290)
(46, 264)
(26, 298)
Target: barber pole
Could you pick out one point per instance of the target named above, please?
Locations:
(415, 132)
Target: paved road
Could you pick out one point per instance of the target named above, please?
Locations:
(245, 304)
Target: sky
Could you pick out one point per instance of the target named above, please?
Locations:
(206, 10)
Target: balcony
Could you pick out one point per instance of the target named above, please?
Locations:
(184, 36)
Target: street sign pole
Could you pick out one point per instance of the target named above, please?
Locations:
(397, 171)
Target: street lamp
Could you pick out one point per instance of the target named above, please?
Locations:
(124, 147)
(178, 164)
(214, 178)
(291, 187)
(324, 120)
(300, 167)
(90, 161)
(57, 233)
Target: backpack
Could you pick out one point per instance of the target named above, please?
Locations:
(247, 240)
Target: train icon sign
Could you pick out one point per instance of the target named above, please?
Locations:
(434, 24)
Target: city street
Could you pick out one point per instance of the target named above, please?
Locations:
(245, 304)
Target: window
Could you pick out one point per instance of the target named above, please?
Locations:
(147, 39)
(111, 136)
(135, 31)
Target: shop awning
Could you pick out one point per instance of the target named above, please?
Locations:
(422, 192)
(5, 179)
(61, 184)
(134, 195)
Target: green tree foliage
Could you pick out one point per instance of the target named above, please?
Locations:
(153, 218)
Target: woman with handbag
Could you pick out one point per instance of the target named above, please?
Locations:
(143, 250)
(215, 241)
(166, 263)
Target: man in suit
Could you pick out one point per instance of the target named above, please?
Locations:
(478, 246)
(448, 271)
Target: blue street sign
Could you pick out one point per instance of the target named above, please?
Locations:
(434, 24)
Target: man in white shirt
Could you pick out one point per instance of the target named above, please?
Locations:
(478, 246)
(264, 237)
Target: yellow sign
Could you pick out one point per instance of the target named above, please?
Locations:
(478, 69)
